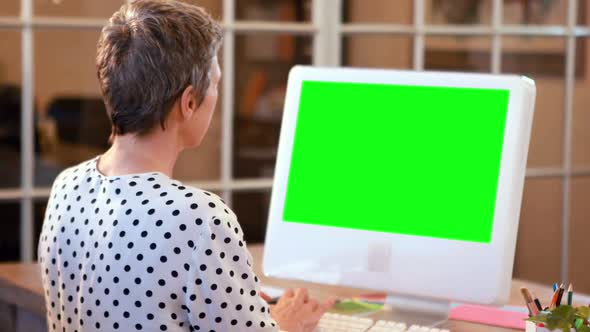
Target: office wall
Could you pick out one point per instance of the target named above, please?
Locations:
(10, 57)
(393, 51)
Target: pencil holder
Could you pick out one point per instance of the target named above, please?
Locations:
(532, 327)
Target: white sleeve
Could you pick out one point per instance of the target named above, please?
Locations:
(222, 291)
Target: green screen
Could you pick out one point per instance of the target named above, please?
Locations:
(413, 160)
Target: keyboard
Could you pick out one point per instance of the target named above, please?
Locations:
(343, 323)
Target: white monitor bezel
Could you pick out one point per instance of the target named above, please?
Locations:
(397, 263)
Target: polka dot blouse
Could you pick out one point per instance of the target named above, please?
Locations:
(143, 252)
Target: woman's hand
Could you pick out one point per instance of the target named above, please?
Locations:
(296, 312)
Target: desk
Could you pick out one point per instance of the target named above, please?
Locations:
(22, 305)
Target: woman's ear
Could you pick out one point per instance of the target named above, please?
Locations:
(188, 103)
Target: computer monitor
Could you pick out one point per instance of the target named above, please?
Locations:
(404, 182)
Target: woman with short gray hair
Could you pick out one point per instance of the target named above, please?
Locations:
(123, 245)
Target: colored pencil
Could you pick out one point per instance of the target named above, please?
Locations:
(555, 286)
(561, 290)
(528, 298)
(570, 294)
(554, 299)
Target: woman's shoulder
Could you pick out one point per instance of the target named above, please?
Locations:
(202, 205)
(197, 211)
(155, 191)
(73, 174)
(198, 198)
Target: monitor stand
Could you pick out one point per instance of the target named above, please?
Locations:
(412, 310)
(407, 309)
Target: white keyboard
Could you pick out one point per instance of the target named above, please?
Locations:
(343, 323)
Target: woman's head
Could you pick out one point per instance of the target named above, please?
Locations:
(157, 66)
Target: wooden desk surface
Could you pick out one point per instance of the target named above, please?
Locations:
(20, 284)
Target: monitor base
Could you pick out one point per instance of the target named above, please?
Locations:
(411, 310)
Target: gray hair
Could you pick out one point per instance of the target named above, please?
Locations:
(148, 53)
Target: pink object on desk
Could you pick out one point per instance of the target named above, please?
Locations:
(502, 317)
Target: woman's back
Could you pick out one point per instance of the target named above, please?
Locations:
(143, 252)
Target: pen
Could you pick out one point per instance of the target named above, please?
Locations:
(538, 303)
(570, 294)
(528, 298)
(560, 295)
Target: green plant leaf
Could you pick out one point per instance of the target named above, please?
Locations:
(564, 317)
(583, 312)
(538, 319)
(561, 317)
